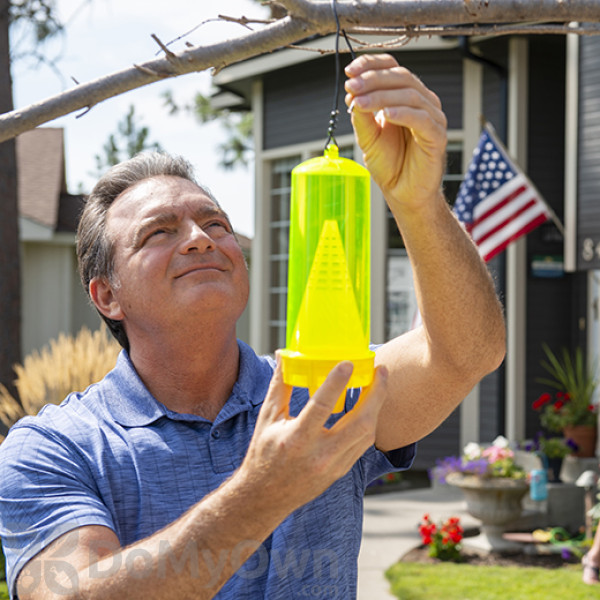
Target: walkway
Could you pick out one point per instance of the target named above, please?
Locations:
(391, 529)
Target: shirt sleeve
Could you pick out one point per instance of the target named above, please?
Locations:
(375, 463)
(46, 490)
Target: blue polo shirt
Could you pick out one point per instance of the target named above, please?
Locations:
(116, 457)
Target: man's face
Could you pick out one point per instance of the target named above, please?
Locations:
(175, 256)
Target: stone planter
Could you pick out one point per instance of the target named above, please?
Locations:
(496, 502)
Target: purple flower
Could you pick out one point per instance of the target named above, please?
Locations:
(479, 466)
(572, 444)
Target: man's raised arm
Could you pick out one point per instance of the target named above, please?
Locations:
(400, 126)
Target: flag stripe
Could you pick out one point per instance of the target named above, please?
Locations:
(515, 210)
(514, 205)
(490, 202)
(504, 200)
(524, 231)
(514, 229)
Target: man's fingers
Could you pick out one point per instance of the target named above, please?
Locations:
(366, 62)
(320, 406)
(277, 400)
(355, 432)
(369, 404)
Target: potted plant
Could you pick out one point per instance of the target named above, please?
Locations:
(554, 449)
(493, 485)
(571, 410)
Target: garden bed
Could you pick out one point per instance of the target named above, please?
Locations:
(547, 560)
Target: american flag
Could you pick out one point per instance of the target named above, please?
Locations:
(496, 202)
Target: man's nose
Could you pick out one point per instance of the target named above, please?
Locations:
(196, 239)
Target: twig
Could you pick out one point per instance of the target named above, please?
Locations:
(148, 71)
(171, 57)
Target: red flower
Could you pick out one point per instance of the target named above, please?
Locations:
(543, 399)
(558, 405)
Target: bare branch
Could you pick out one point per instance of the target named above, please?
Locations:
(171, 57)
(216, 55)
(245, 21)
(401, 33)
(401, 19)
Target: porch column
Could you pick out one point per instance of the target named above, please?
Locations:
(516, 267)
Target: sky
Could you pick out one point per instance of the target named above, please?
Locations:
(104, 36)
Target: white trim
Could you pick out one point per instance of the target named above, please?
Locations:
(571, 155)
(259, 270)
(31, 231)
(379, 258)
(516, 267)
(472, 108)
(287, 57)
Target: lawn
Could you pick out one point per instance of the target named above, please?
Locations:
(3, 591)
(418, 581)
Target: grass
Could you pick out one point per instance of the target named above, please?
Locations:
(3, 591)
(448, 581)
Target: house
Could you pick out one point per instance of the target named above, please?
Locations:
(53, 300)
(527, 87)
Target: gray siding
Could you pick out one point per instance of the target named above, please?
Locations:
(588, 218)
(299, 99)
(552, 304)
(444, 441)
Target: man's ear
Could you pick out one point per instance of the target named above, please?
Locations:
(104, 299)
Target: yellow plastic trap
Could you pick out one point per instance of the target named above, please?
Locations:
(328, 308)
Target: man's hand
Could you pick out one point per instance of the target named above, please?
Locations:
(400, 126)
(297, 459)
(289, 462)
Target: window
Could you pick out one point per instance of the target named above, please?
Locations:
(281, 175)
(401, 300)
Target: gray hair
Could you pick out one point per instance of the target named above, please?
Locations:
(94, 247)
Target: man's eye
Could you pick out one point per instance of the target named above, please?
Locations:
(217, 225)
(155, 233)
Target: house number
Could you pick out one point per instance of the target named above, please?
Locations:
(590, 249)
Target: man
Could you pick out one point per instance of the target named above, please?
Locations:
(164, 480)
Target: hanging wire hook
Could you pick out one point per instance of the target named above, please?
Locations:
(333, 116)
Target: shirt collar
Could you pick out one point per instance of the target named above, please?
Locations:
(132, 405)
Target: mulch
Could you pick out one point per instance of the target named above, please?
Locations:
(547, 561)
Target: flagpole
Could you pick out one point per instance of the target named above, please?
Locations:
(492, 132)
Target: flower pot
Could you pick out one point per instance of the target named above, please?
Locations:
(496, 502)
(585, 437)
(554, 467)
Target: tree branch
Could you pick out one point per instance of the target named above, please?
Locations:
(216, 55)
(410, 18)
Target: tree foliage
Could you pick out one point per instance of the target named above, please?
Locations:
(129, 139)
(237, 147)
(38, 16)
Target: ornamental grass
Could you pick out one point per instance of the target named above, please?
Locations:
(68, 363)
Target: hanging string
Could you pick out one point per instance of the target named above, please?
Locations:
(333, 116)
